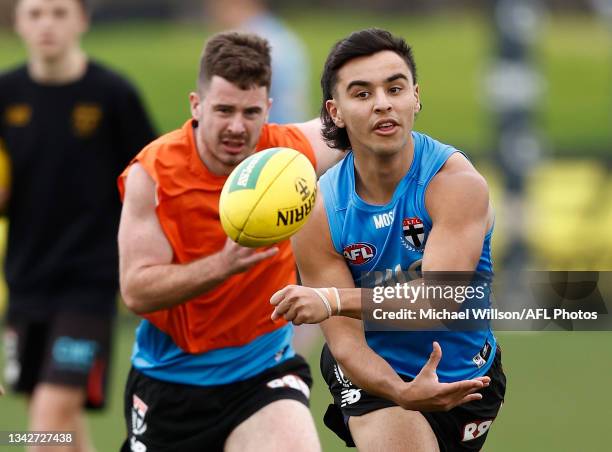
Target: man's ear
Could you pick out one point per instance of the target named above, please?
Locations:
(195, 104)
(334, 112)
(417, 95)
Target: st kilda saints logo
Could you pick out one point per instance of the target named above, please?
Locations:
(139, 411)
(413, 234)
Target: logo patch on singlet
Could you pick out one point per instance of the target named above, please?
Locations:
(18, 115)
(86, 119)
(359, 253)
(383, 220)
(413, 234)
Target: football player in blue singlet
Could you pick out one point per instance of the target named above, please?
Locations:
(399, 200)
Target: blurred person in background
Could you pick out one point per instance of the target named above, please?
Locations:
(68, 126)
(290, 82)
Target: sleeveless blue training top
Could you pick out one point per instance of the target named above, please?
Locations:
(380, 241)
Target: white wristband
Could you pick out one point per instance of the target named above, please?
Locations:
(337, 293)
(325, 301)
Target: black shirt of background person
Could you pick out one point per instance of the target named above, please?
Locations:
(67, 145)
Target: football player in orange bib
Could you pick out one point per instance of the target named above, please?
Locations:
(210, 369)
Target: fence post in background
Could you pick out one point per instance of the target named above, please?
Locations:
(515, 89)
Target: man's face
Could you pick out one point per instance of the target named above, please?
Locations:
(376, 100)
(50, 28)
(230, 120)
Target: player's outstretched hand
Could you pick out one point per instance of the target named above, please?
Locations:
(237, 259)
(298, 304)
(426, 393)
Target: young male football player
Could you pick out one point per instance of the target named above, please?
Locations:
(406, 202)
(69, 126)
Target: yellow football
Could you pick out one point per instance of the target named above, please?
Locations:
(268, 197)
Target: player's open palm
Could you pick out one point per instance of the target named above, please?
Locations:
(426, 393)
(237, 259)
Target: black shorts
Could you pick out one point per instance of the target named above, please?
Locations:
(162, 416)
(464, 428)
(70, 349)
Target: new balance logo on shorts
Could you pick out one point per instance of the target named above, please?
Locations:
(476, 429)
(350, 396)
(290, 381)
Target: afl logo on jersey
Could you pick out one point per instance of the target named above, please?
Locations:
(359, 253)
(413, 234)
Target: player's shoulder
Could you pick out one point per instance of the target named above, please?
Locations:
(13, 76)
(285, 135)
(431, 148)
(162, 156)
(170, 146)
(440, 155)
(458, 173)
(455, 171)
(458, 163)
(335, 184)
(274, 134)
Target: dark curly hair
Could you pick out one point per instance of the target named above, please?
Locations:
(360, 43)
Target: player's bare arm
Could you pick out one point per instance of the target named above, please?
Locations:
(149, 279)
(322, 266)
(326, 156)
(457, 200)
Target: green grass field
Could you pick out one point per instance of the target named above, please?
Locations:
(559, 396)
